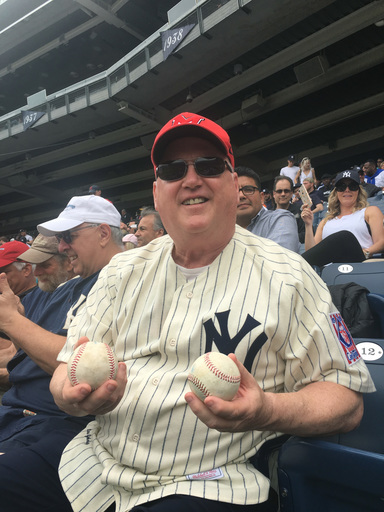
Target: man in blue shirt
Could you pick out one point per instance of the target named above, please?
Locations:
(277, 225)
(30, 421)
(372, 174)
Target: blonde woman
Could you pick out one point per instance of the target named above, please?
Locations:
(306, 171)
(352, 231)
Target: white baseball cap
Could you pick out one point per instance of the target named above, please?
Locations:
(93, 209)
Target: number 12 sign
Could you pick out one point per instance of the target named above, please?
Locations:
(172, 38)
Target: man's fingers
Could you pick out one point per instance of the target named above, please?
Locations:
(4, 286)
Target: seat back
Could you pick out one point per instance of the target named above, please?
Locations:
(369, 435)
(344, 473)
(376, 305)
(368, 274)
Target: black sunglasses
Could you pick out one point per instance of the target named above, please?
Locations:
(352, 185)
(283, 191)
(209, 167)
(67, 235)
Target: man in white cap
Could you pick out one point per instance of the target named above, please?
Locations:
(30, 422)
(207, 286)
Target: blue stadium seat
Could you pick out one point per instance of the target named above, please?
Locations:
(376, 305)
(344, 473)
(377, 200)
(368, 274)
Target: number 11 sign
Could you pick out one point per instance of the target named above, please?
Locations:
(172, 38)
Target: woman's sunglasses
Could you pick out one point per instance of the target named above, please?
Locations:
(204, 167)
(352, 186)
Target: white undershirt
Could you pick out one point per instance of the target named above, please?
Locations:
(191, 273)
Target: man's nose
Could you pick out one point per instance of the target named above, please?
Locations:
(63, 246)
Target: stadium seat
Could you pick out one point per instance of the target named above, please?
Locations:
(368, 274)
(376, 305)
(377, 200)
(344, 473)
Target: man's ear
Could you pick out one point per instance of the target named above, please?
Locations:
(154, 194)
(104, 234)
(27, 269)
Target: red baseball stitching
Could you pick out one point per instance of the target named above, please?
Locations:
(233, 379)
(112, 362)
(75, 361)
(198, 384)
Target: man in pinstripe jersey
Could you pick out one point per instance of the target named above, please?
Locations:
(208, 285)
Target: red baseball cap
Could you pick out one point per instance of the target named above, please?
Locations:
(10, 251)
(188, 124)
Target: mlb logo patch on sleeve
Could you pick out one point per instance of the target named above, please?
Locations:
(344, 336)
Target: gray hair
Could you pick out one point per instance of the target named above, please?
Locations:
(157, 222)
(116, 236)
(21, 264)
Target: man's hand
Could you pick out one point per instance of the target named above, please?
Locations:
(10, 305)
(80, 400)
(319, 408)
(249, 409)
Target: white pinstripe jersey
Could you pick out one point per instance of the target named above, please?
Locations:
(256, 299)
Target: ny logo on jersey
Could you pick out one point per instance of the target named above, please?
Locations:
(226, 344)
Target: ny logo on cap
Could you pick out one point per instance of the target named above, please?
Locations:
(201, 119)
(346, 174)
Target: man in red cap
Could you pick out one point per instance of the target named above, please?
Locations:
(19, 274)
(21, 281)
(208, 285)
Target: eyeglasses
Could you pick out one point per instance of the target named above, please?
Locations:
(248, 190)
(283, 191)
(352, 185)
(67, 235)
(209, 167)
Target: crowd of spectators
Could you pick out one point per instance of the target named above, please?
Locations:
(45, 281)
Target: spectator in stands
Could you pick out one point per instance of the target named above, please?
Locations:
(290, 170)
(207, 286)
(372, 174)
(3, 240)
(150, 227)
(268, 200)
(132, 227)
(317, 205)
(379, 163)
(95, 190)
(370, 189)
(130, 242)
(325, 187)
(277, 225)
(305, 171)
(282, 194)
(30, 422)
(351, 231)
(51, 267)
(24, 234)
(125, 216)
(19, 274)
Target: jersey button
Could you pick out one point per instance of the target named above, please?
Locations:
(155, 382)
(172, 342)
(189, 295)
(135, 438)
